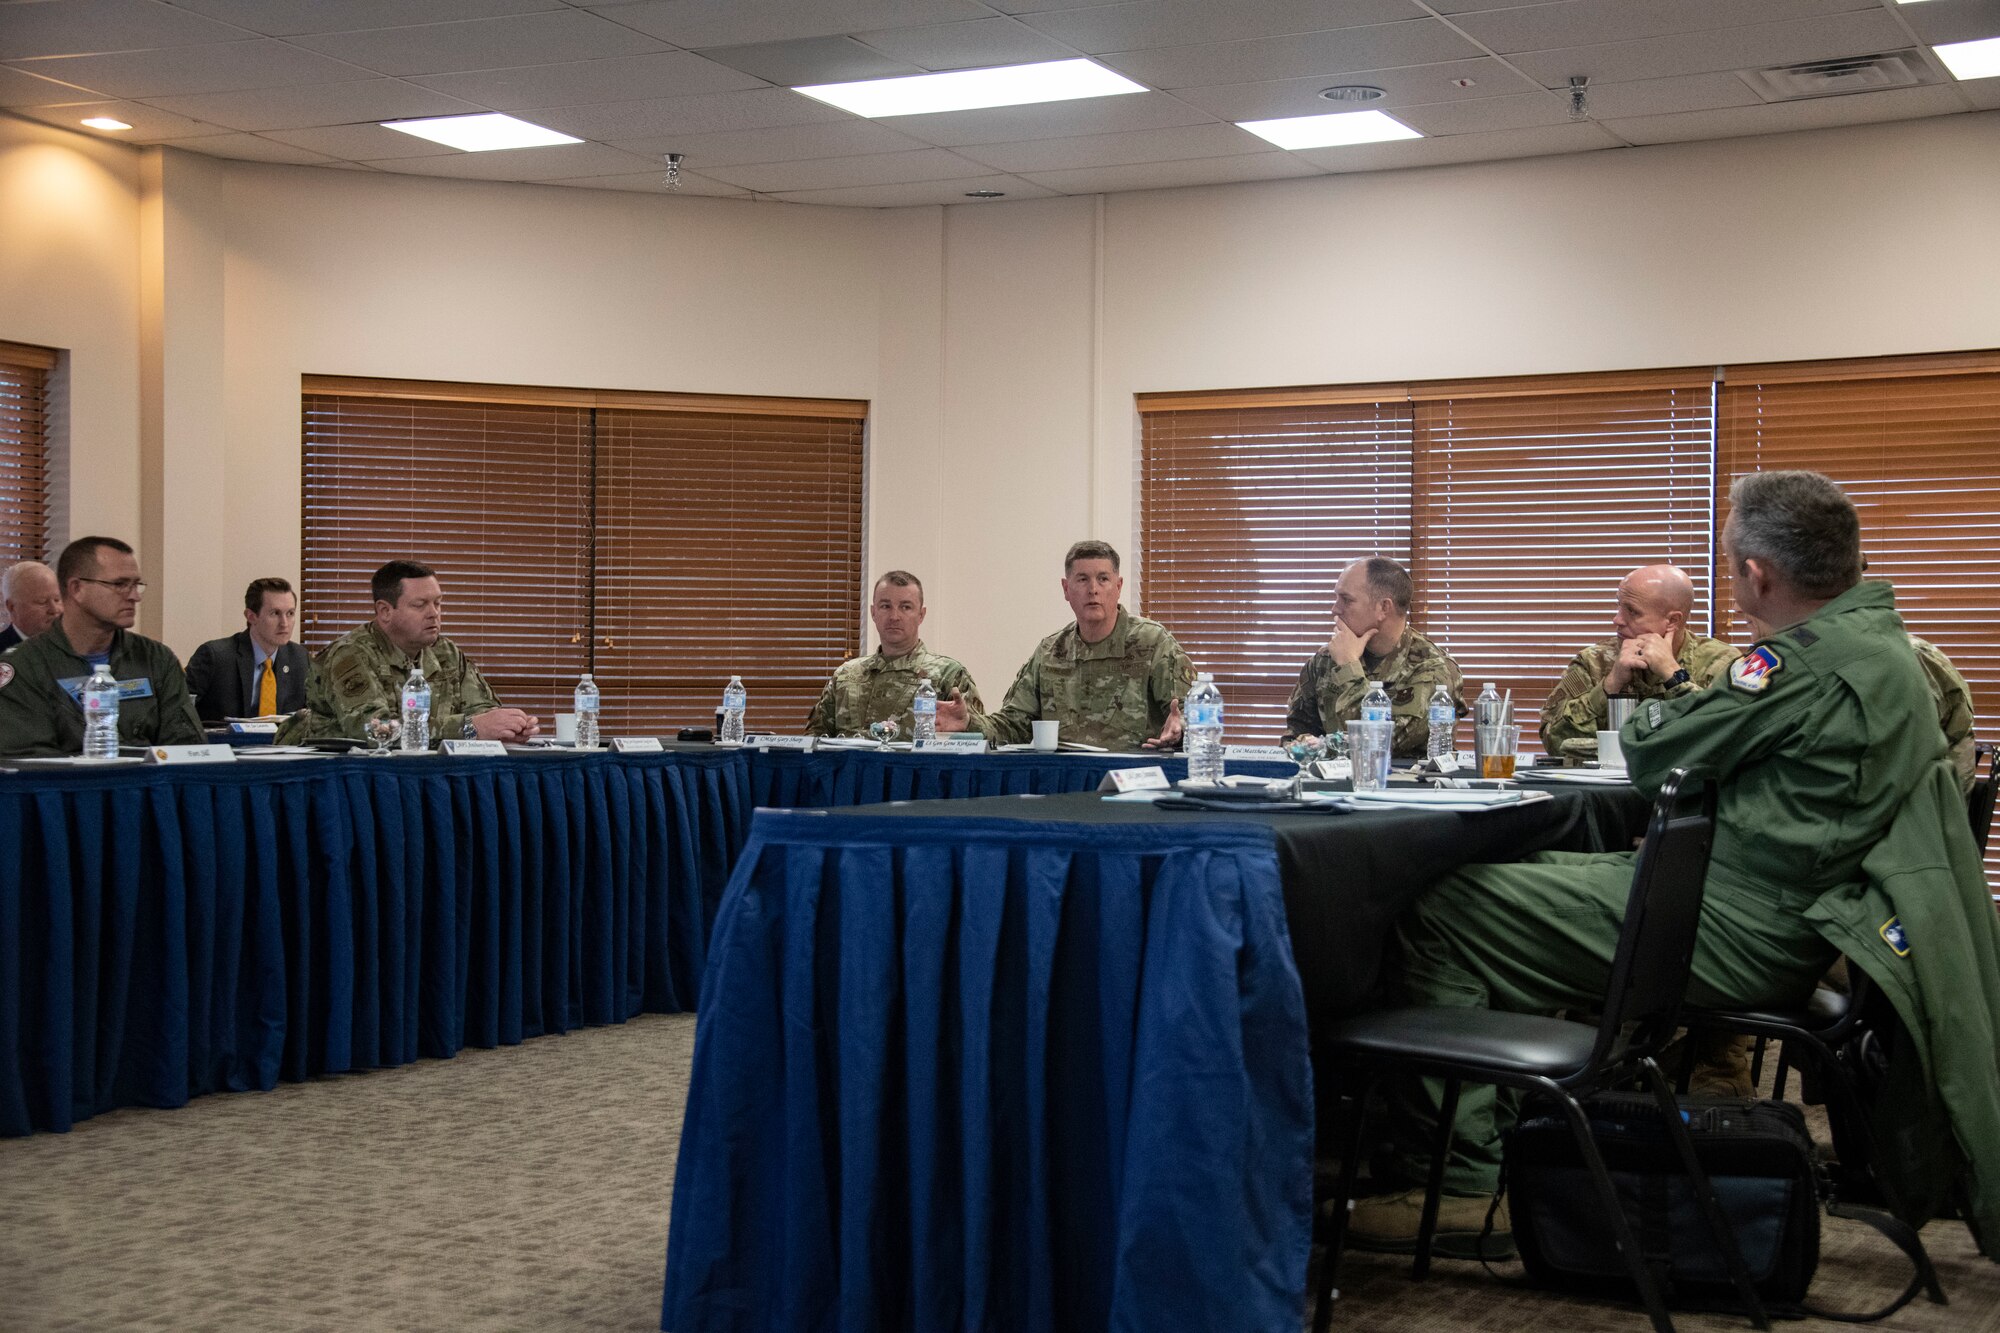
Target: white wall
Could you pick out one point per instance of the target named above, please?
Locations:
(1000, 343)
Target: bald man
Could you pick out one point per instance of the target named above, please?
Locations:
(1655, 656)
(32, 599)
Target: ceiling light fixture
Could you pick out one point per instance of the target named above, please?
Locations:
(1353, 92)
(673, 176)
(106, 123)
(1971, 60)
(972, 89)
(1579, 104)
(985, 194)
(1337, 130)
(479, 134)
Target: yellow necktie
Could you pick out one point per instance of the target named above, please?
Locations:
(267, 690)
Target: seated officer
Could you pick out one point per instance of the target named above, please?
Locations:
(1112, 679)
(41, 681)
(1374, 640)
(360, 675)
(1838, 830)
(880, 686)
(257, 671)
(32, 600)
(1655, 655)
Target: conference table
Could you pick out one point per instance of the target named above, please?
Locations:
(1039, 1062)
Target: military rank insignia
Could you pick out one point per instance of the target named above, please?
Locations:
(1893, 936)
(1753, 674)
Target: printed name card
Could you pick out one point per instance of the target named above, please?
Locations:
(475, 749)
(1134, 779)
(636, 744)
(1271, 753)
(1447, 763)
(782, 742)
(253, 728)
(964, 742)
(191, 754)
(1334, 770)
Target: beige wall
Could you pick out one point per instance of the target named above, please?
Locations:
(1001, 344)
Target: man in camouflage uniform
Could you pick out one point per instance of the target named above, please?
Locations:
(360, 675)
(880, 686)
(1112, 679)
(1954, 707)
(41, 680)
(1655, 656)
(1373, 640)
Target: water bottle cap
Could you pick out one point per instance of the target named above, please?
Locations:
(1491, 686)
(586, 676)
(1201, 676)
(1374, 684)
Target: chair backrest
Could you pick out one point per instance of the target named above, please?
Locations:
(1649, 972)
(1979, 801)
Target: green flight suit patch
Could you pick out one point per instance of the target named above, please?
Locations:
(1893, 936)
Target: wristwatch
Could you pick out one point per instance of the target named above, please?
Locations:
(1679, 677)
(467, 731)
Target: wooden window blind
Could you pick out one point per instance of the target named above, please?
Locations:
(1529, 508)
(24, 461)
(1248, 516)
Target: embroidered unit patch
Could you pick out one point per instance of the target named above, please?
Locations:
(1893, 936)
(6, 674)
(1753, 674)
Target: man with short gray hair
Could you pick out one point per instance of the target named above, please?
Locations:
(1374, 640)
(32, 598)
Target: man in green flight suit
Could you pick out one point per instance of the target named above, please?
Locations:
(1112, 679)
(1821, 739)
(41, 680)
(880, 686)
(1654, 656)
(1374, 640)
(360, 675)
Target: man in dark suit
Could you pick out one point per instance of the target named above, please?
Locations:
(32, 599)
(259, 671)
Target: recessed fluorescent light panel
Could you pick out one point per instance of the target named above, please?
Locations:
(1332, 131)
(106, 123)
(1971, 60)
(970, 89)
(479, 134)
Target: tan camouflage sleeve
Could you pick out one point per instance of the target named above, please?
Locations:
(1341, 690)
(1302, 709)
(1022, 706)
(1576, 708)
(342, 693)
(956, 677)
(1412, 731)
(1171, 676)
(820, 721)
(1954, 709)
(475, 696)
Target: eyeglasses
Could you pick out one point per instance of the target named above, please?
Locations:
(123, 587)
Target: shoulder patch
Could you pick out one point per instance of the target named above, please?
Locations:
(1753, 674)
(349, 677)
(1893, 936)
(6, 674)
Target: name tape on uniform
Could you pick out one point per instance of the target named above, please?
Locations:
(190, 754)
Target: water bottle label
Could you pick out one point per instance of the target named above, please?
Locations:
(1205, 715)
(1375, 715)
(922, 706)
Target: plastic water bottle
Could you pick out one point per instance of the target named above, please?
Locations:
(923, 712)
(1485, 713)
(1443, 717)
(586, 713)
(1201, 715)
(735, 700)
(416, 712)
(1375, 704)
(100, 715)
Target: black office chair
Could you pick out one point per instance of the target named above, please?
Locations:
(1979, 801)
(1561, 1059)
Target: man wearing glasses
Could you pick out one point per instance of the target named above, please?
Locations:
(41, 682)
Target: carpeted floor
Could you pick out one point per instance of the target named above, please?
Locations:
(528, 1189)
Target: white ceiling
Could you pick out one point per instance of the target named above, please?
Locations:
(304, 81)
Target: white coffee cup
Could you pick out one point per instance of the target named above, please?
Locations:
(1045, 736)
(1609, 752)
(565, 728)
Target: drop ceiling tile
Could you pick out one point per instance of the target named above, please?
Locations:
(219, 67)
(810, 60)
(708, 113)
(1486, 114)
(1592, 22)
(1542, 141)
(1172, 175)
(359, 143)
(19, 88)
(1953, 20)
(1040, 6)
(316, 104)
(1117, 150)
(1013, 124)
(923, 164)
(1161, 23)
(557, 162)
(704, 23)
(249, 148)
(1413, 85)
(286, 18)
(654, 182)
(1657, 97)
(502, 43)
(1384, 46)
(920, 193)
(972, 45)
(581, 82)
(780, 143)
(83, 27)
(1982, 93)
(1784, 117)
(1750, 47)
(149, 124)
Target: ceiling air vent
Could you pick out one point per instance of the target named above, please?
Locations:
(1834, 78)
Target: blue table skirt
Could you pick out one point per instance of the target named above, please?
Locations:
(170, 932)
(789, 778)
(993, 1074)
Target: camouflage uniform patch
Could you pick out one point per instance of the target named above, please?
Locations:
(1576, 710)
(1328, 696)
(1954, 708)
(872, 688)
(360, 675)
(1116, 692)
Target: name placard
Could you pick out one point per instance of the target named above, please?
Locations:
(190, 754)
(1334, 769)
(964, 742)
(253, 728)
(1134, 779)
(636, 744)
(781, 742)
(1447, 763)
(1264, 752)
(475, 749)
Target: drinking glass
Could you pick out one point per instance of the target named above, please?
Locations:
(1304, 751)
(382, 733)
(883, 731)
